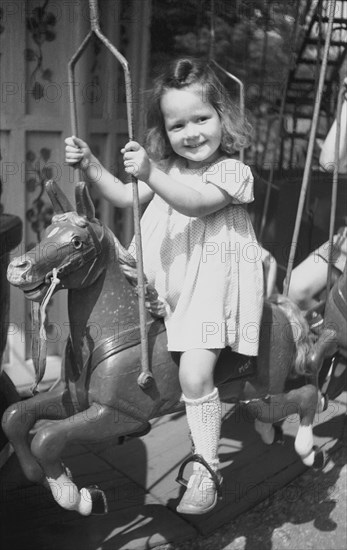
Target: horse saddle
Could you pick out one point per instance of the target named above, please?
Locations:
(230, 366)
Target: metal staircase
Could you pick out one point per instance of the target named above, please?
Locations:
(304, 75)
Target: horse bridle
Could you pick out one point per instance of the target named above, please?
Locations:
(38, 309)
(91, 254)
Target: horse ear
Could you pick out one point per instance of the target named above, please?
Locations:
(58, 198)
(84, 204)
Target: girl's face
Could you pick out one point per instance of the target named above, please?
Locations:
(192, 125)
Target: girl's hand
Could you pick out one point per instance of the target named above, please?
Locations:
(77, 152)
(136, 161)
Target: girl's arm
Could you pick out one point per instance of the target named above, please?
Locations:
(270, 272)
(185, 200)
(111, 188)
(327, 155)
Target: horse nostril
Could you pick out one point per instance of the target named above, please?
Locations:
(25, 266)
(18, 269)
(22, 263)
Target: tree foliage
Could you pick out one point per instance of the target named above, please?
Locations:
(253, 39)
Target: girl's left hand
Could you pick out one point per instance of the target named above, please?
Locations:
(136, 161)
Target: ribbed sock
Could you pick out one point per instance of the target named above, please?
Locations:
(204, 416)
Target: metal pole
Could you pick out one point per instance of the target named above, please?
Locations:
(145, 378)
(72, 88)
(311, 142)
(229, 75)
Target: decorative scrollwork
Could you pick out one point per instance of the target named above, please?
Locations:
(2, 28)
(40, 24)
(39, 215)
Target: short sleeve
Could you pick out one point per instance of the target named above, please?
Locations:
(234, 177)
(339, 251)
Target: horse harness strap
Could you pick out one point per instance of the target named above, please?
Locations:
(122, 341)
(39, 338)
(108, 347)
(90, 254)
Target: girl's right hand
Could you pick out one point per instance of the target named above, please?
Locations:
(77, 152)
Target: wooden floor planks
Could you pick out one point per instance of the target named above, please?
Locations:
(139, 480)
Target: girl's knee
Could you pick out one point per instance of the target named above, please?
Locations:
(196, 372)
(195, 385)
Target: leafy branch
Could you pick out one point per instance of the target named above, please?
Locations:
(40, 25)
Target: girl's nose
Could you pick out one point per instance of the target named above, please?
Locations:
(191, 131)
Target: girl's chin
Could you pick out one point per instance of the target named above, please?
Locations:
(201, 158)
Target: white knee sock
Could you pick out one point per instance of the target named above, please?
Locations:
(204, 416)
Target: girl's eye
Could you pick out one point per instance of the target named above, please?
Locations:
(77, 243)
(202, 119)
(176, 127)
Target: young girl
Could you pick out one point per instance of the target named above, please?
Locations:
(199, 247)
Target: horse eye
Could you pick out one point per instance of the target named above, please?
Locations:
(76, 241)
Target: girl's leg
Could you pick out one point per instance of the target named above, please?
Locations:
(204, 414)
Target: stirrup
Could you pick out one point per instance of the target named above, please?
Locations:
(200, 459)
(98, 499)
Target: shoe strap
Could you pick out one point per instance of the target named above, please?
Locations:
(217, 480)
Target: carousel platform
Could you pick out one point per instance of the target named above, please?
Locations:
(138, 477)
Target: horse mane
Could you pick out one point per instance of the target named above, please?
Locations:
(75, 218)
(301, 333)
(127, 264)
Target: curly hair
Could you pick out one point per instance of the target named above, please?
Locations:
(181, 74)
(301, 334)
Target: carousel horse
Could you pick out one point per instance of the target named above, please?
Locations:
(99, 396)
(329, 354)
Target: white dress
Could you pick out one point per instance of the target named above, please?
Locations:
(208, 270)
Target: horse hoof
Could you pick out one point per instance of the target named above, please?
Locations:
(320, 459)
(99, 501)
(278, 437)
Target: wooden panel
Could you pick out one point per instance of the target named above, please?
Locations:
(37, 39)
(43, 162)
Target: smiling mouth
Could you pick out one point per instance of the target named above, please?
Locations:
(196, 146)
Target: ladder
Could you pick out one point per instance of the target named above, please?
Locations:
(303, 80)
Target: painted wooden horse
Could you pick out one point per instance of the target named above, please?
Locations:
(99, 396)
(330, 350)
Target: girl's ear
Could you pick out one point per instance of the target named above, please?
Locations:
(84, 204)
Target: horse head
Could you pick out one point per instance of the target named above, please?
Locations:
(72, 248)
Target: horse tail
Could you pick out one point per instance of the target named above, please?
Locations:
(301, 334)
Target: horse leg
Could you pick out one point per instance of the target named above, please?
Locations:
(268, 432)
(21, 417)
(302, 401)
(96, 423)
